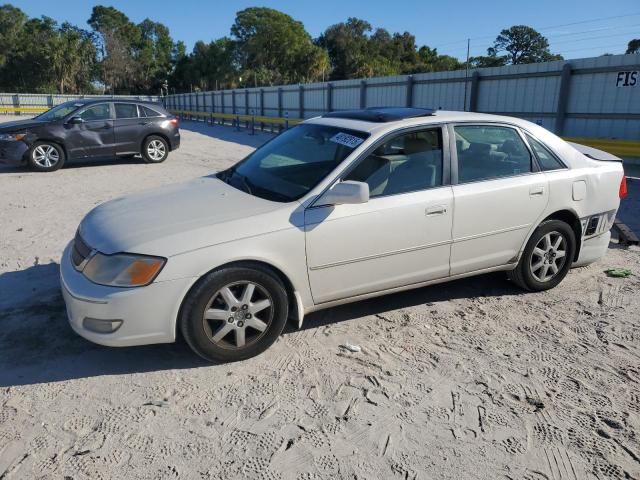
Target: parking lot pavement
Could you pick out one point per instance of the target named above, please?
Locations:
(471, 379)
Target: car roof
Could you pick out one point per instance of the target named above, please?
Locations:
(358, 122)
(90, 101)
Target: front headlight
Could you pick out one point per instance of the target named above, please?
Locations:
(123, 269)
(12, 137)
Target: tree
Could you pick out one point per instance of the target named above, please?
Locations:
(348, 47)
(634, 46)
(483, 61)
(273, 47)
(521, 44)
(12, 22)
(355, 53)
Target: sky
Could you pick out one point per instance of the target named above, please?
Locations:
(575, 29)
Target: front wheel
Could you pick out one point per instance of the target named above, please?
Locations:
(155, 149)
(546, 258)
(234, 313)
(46, 156)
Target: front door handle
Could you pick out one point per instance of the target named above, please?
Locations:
(435, 210)
(536, 191)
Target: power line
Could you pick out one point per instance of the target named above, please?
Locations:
(548, 28)
(560, 42)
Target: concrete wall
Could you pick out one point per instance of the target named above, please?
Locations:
(575, 98)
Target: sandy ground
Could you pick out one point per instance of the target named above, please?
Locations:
(469, 380)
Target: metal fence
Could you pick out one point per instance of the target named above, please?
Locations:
(29, 102)
(591, 97)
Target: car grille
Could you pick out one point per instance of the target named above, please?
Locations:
(80, 251)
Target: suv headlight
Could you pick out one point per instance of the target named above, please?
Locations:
(123, 269)
(12, 137)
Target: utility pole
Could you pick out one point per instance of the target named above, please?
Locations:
(466, 76)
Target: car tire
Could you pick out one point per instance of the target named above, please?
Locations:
(46, 156)
(155, 149)
(223, 322)
(541, 265)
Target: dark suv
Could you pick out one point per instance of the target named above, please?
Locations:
(83, 129)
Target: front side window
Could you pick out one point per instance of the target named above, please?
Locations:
(290, 165)
(96, 112)
(126, 110)
(405, 163)
(486, 152)
(546, 159)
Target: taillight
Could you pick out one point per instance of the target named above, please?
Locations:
(622, 193)
(174, 121)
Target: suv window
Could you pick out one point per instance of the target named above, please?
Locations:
(405, 163)
(148, 112)
(126, 110)
(486, 152)
(96, 112)
(546, 159)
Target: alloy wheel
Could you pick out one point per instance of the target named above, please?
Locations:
(548, 256)
(238, 315)
(46, 156)
(156, 150)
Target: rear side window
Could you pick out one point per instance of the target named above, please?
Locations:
(148, 112)
(486, 152)
(126, 110)
(546, 159)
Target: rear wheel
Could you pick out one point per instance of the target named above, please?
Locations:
(547, 258)
(155, 149)
(46, 156)
(234, 313)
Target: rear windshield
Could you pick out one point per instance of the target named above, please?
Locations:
(290, 165)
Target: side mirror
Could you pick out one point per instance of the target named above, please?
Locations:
(345, 192)
(75, 121)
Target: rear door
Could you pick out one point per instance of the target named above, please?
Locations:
(129, 128)
(93, 137)
(499, 195)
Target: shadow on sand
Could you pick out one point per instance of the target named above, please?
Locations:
(227, 133)
(38, 346)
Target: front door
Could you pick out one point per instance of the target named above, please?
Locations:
(94, 136)
(499, 197)
(401, 236)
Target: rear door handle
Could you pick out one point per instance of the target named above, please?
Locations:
(534, 191)
(435, 210)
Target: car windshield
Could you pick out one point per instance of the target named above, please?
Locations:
(289, 166)
(59, 111)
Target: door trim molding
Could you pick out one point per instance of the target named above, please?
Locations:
(493, 232)
(380, 255)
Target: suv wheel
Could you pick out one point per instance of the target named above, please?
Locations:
(547, 258)
(155, 149)
(46, 156)
(234, 313)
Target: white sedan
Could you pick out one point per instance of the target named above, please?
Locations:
(342, 207)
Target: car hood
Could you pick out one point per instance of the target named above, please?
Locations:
(176, 218)
(18, 125)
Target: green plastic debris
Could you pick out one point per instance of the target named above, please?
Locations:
(618, 272)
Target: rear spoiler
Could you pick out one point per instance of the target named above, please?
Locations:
(594, 153)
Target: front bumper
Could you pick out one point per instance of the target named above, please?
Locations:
(147, 314)
(13, 152)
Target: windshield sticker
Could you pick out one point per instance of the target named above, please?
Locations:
(346, 140)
